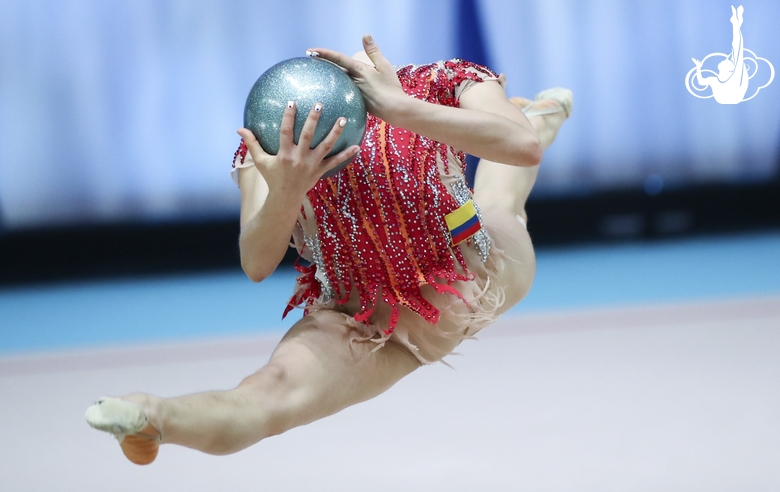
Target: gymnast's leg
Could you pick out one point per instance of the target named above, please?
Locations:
(316, 371)
(498, 186)
(501, 192)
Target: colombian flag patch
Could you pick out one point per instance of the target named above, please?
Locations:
(463, 222)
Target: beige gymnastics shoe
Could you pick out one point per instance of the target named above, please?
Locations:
(564, 98)
(139, 440)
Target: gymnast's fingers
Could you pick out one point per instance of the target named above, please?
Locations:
(255, 150)
(337, 159)
(287, 128)
(327, 144)
(310, 126)
(352, 67)
(372, 50)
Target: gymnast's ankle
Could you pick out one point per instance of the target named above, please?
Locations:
(128, 422)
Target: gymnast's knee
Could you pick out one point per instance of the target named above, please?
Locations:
(267, 394)
(272, 376)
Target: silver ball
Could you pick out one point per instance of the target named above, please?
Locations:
(306, 81)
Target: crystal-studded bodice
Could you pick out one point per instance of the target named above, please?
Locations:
(378, 226)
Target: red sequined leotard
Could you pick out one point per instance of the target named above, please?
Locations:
(378, 226)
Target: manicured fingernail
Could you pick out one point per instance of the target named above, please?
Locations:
(290, 104)
(312, 53)
(342, 122)
(369, 39)
(318, 107)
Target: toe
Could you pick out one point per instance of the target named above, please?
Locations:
(116, 416)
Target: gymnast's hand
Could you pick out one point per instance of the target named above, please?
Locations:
(296, 168)
(379, 83)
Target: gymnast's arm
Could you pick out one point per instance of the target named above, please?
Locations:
(272, 191)
(506, 129)
(486, 125)
(267, 222)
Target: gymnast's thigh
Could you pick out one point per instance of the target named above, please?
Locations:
(334, 338)
(513, 263)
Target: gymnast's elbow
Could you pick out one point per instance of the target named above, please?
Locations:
(525, 152)
(534, 152)
(255, 274)
(254, 268)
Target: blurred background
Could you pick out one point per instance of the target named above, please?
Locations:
(118, 118)
(119, 221)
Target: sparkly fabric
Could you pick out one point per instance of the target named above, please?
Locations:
(240, 155)
(380, 226)
(462, 194)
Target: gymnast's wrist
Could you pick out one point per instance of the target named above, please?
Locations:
(285, 198)
(398, 109)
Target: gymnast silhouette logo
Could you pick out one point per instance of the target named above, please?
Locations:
(735, 70)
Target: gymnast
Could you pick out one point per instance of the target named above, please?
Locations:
(404, 264)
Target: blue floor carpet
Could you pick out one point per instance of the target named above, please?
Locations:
(210, 305)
